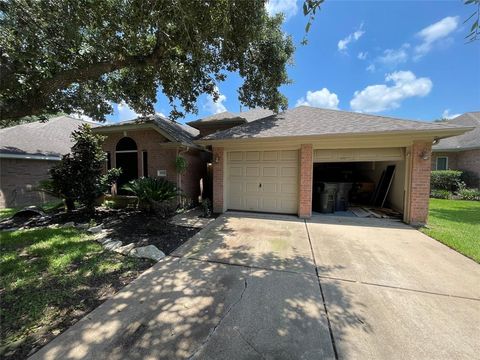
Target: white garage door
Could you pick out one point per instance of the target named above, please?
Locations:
(263, 181)
(348, 155)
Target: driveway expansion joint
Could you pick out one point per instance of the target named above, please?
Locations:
(330, 330)
(399, 288)
(225, 315)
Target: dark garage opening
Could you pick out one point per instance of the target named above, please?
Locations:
(364, 189)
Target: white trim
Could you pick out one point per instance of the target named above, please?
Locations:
(30, 157)
(446, 162)
(126, 151)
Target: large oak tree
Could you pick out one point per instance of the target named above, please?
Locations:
(80, 56)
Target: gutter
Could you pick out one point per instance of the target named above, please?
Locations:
(438, 133)
(30, 157)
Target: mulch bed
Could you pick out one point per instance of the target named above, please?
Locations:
(126, 225)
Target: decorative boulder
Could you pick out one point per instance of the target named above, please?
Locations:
(124, 250)
(29, 211)
(112, 244)
(82, 226)
(147, 252)
(95, 229)
(68, 224)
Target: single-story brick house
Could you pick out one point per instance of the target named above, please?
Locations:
(149, 146)
(27, 152)
(273, 163)
(460, 152)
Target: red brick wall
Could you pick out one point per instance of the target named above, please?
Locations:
(162, 158)
(305, 181)
(469, 160)
(218, 174)
(18, 178)
(452, 159)
(420, 182)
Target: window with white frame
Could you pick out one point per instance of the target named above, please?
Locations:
(442, 163)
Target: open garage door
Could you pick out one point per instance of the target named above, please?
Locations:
(265, 181)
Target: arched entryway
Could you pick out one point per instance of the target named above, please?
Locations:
(126, 158)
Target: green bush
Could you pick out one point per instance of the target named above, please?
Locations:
(470, 179)
(440, 194)
(469, 194)
(151, 192)
(450, 180)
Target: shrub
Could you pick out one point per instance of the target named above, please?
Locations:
(440, 194)
(469, 194)
(206, 208)
(470, 179)
(446, 180)
(151, 192)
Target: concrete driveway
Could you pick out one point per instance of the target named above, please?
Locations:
(276, 287)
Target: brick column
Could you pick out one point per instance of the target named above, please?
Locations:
(420, 182)
(305, 181)
(218, 173)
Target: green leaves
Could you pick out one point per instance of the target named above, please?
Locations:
(82, 56)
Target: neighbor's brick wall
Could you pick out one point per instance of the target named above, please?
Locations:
(452, 159)
(218, 173)
(18, 178)
(469, 160)
(305, 181)
(420, 183)
(161, 158)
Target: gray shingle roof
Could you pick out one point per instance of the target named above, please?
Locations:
(51, 138)
(309, 121)
(243, 116)
(469, 140)
(181, 133)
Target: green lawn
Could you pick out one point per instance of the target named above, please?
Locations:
(7, 212)
(49, 279)
(456, 223)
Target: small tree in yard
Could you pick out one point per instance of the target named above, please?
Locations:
(78, 176)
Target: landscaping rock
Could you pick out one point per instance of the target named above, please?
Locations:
(68, 224)
(112, 244)
(82, 226)
(10, 229)
(124, 250)
(147, 252)
(95, 229)
(29, 212)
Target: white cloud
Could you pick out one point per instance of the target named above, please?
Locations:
(371, 68)
(434, 34)
(287, 7)
(394, 57)
(446, 114)
(343, 44)
(376, 98)
(362, 55)
(215, 107)
(321, 98)
(125, 112)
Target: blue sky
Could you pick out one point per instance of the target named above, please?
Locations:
(405, 59)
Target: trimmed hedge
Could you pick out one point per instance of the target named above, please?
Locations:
(450, 180)
(469, 194)
(440, 194)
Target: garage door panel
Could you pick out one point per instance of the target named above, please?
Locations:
(235, 156)
(269, 171)
(343, 155)
(269, 188)
(252, 171)
(269, 184)
(235, 171)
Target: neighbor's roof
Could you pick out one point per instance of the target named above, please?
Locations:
(469, 140)
(226, 116)
(50, 139)
(312, 121)
(177, 132)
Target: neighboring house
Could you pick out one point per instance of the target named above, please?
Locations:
(27, 152)
(272, 164)
(149, 146)
(460, 152)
